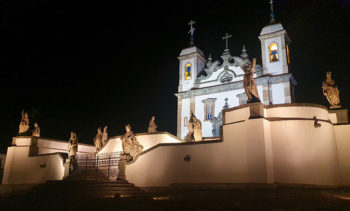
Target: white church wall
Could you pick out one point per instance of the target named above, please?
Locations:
(342, 134)
(185, 112)
(274, 68)
(230, 161)
(22, 169)
(288, 151)
(278, 95)
(304, 154)
(147, 140)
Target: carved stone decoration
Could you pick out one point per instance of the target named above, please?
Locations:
(226, 77)
(216, 124)
(98, 140)
(24, 125)
(105, 136)
(249, 83)
(331, 91)
(152, 126)
(194, 129)
(130, 144)
(36, 130)
(72, 145)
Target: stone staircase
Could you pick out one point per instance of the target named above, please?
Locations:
(93, 183)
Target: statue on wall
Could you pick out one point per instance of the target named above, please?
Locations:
(105, 136)
(331, 91)
(24, 125)
(130, 144)
(98, 140)
(36, 130)
(72, 145)
(197, 126)
(194, 129)
(249, 83)
(72, 151)
(152, 126)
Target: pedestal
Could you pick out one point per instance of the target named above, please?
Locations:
(339, 116)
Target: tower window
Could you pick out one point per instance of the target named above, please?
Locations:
(188, 71)
(273, 49)
(209, 108)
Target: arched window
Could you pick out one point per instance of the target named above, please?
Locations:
(288, 59)
(188, 71)
(273, 49)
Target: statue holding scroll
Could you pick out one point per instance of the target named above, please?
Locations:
(130, 144)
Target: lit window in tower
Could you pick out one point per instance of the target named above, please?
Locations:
(188, 71)
(273, 48)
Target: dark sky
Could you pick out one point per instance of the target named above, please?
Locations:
(77, 66)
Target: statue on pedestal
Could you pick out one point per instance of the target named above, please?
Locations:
(152, 126)
(130, 144)
(98, 140)
(197, 125)
(72, 150)
(331, 91)
(105, 136)
(24, 125)
(249, 83)
(36, 130)
(194, 129)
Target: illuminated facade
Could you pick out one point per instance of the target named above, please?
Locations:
(204, 84)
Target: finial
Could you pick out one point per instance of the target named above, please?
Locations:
(209, 58)
(244, 54)
(226, 104)
(191, 23)
(226, 37)
(272, 14)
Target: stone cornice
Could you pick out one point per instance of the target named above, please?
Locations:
(267, 79)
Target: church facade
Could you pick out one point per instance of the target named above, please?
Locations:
(207, 86)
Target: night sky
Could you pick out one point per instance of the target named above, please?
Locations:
(77, 66)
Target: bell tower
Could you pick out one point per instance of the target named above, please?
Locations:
(274, 47)
(192, 61)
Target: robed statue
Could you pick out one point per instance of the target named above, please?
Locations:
(36, 130)
(194, 129)
(72, 145)
(72, 151)
(249, 83)
(98, 140)
(152, 126)
(24, 125)
(105, 136)
(130, 144)
(331, 91)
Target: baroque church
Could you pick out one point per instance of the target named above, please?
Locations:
(207, 86)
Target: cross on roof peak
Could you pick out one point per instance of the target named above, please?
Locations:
(272, 14)
(226, 37)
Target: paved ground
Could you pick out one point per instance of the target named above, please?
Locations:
(234, 199)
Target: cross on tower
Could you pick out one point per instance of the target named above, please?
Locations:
(226, 37)
(272, 15)
(191, 23)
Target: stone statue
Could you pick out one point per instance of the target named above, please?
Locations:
(105, 136)
(331, 91)
(194, 129)
(152, 126)
(72, 145)
(24, 125)
(130, 144)
(36, 130)
(249, 83)
(72, 151)
(197, 125)
(98, 140)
